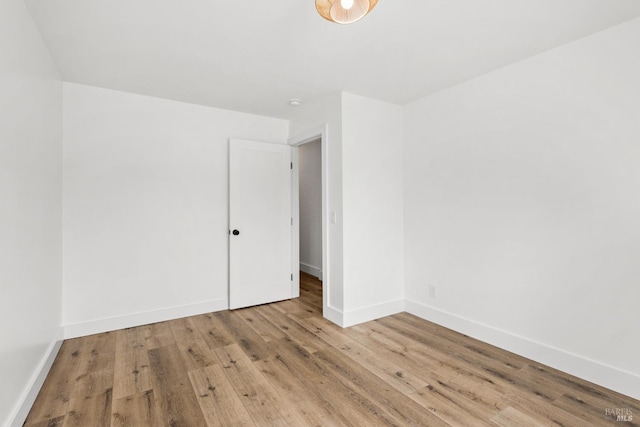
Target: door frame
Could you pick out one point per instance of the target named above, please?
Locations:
(311, 135)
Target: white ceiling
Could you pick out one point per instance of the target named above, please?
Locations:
(253, 56)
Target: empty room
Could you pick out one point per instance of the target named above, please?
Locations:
(319, 212)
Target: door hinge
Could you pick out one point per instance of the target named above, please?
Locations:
(291, 165)
(291, 221)
(292, 277)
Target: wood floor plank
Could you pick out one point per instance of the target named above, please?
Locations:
(482, 388)
(135, 410)
(131, 372)
(322, 399)
(309, 289)
(193, 348)
(213, 331)
(54, 422)
(351, 405)
(583, 389)
(158, 335)
(311, 297)
(90, 383)
(260, 325)
(391, 373)
(546, 414)
(174, 397)
(510, 417)
(451, 410)
(592, 408)
(458, 386)
(455, 344)
(475, 378)
(315, 411)
(291, 328)
(502, 371)
(393, 346)
(252, 344)
(403, 411)
(58, 385)
(218, 400)
(258, 396)
(94, 410)
(477, 347)
(311, 292)
(96, 365)
(472, 351)
(298, 307)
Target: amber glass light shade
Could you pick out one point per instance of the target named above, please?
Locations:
(333, 10)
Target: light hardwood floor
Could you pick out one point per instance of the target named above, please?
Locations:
(283, 364)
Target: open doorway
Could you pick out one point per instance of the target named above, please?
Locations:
(311, 232)
(310, 210)
(310, 219)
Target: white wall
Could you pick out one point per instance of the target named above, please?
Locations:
(310, 167)
(146, 206)
(30, 209)
(365, 192)
(522, 206)
(373, 220)
(308, 117)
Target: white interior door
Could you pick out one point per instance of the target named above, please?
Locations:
(260, 223)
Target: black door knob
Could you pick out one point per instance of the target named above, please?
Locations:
(235, 232)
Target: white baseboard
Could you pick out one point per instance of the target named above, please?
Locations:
(310, 269)
(598, 373)
(28, 397)
(334, 315)
(365, 314)
(137, 319)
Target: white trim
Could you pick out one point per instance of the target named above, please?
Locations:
(21, 409)
(295, 223)
(372, 312)
(322, 133)
(334, 315)
(308, 136)
(598, 373)
(137, 319)
(312, 270)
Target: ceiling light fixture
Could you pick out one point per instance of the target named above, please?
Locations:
(344, 11)
(294, 102)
